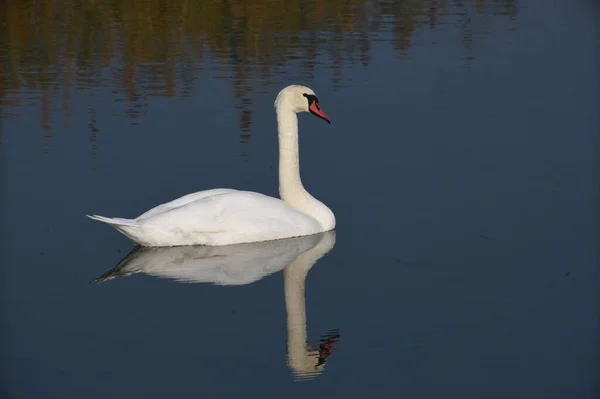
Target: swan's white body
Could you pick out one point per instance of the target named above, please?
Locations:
(226, 216)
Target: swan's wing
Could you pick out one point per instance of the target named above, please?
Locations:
(179, 202)
(235, 212)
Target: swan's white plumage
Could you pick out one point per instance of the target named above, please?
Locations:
(227, 216)
(216, 217)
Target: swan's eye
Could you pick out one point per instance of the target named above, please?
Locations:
(311, 98)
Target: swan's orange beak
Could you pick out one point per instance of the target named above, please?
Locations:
(315, 109)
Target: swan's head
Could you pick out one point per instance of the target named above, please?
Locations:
(300, 99)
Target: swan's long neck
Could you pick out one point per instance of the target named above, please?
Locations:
(291, 189)
(290, 184)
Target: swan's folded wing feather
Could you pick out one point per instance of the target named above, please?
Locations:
(238, 212)
(181, 201)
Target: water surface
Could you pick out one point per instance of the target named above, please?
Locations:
(459, 164)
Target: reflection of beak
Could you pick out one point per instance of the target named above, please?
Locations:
(314, 109)
(326, 348)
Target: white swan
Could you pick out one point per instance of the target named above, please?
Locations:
(244, 264)
(226, 216)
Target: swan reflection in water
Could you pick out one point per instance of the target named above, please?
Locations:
(244, 264)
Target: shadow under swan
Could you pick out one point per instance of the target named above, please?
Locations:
(241, 264)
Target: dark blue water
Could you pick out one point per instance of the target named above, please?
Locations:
(459, 164)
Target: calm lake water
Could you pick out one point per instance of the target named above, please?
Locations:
(459, 164)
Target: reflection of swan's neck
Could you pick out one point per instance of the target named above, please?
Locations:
(301, 360)
(291, 189)
(294, 280)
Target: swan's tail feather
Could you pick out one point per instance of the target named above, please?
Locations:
(135, 231)
(114, 221)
